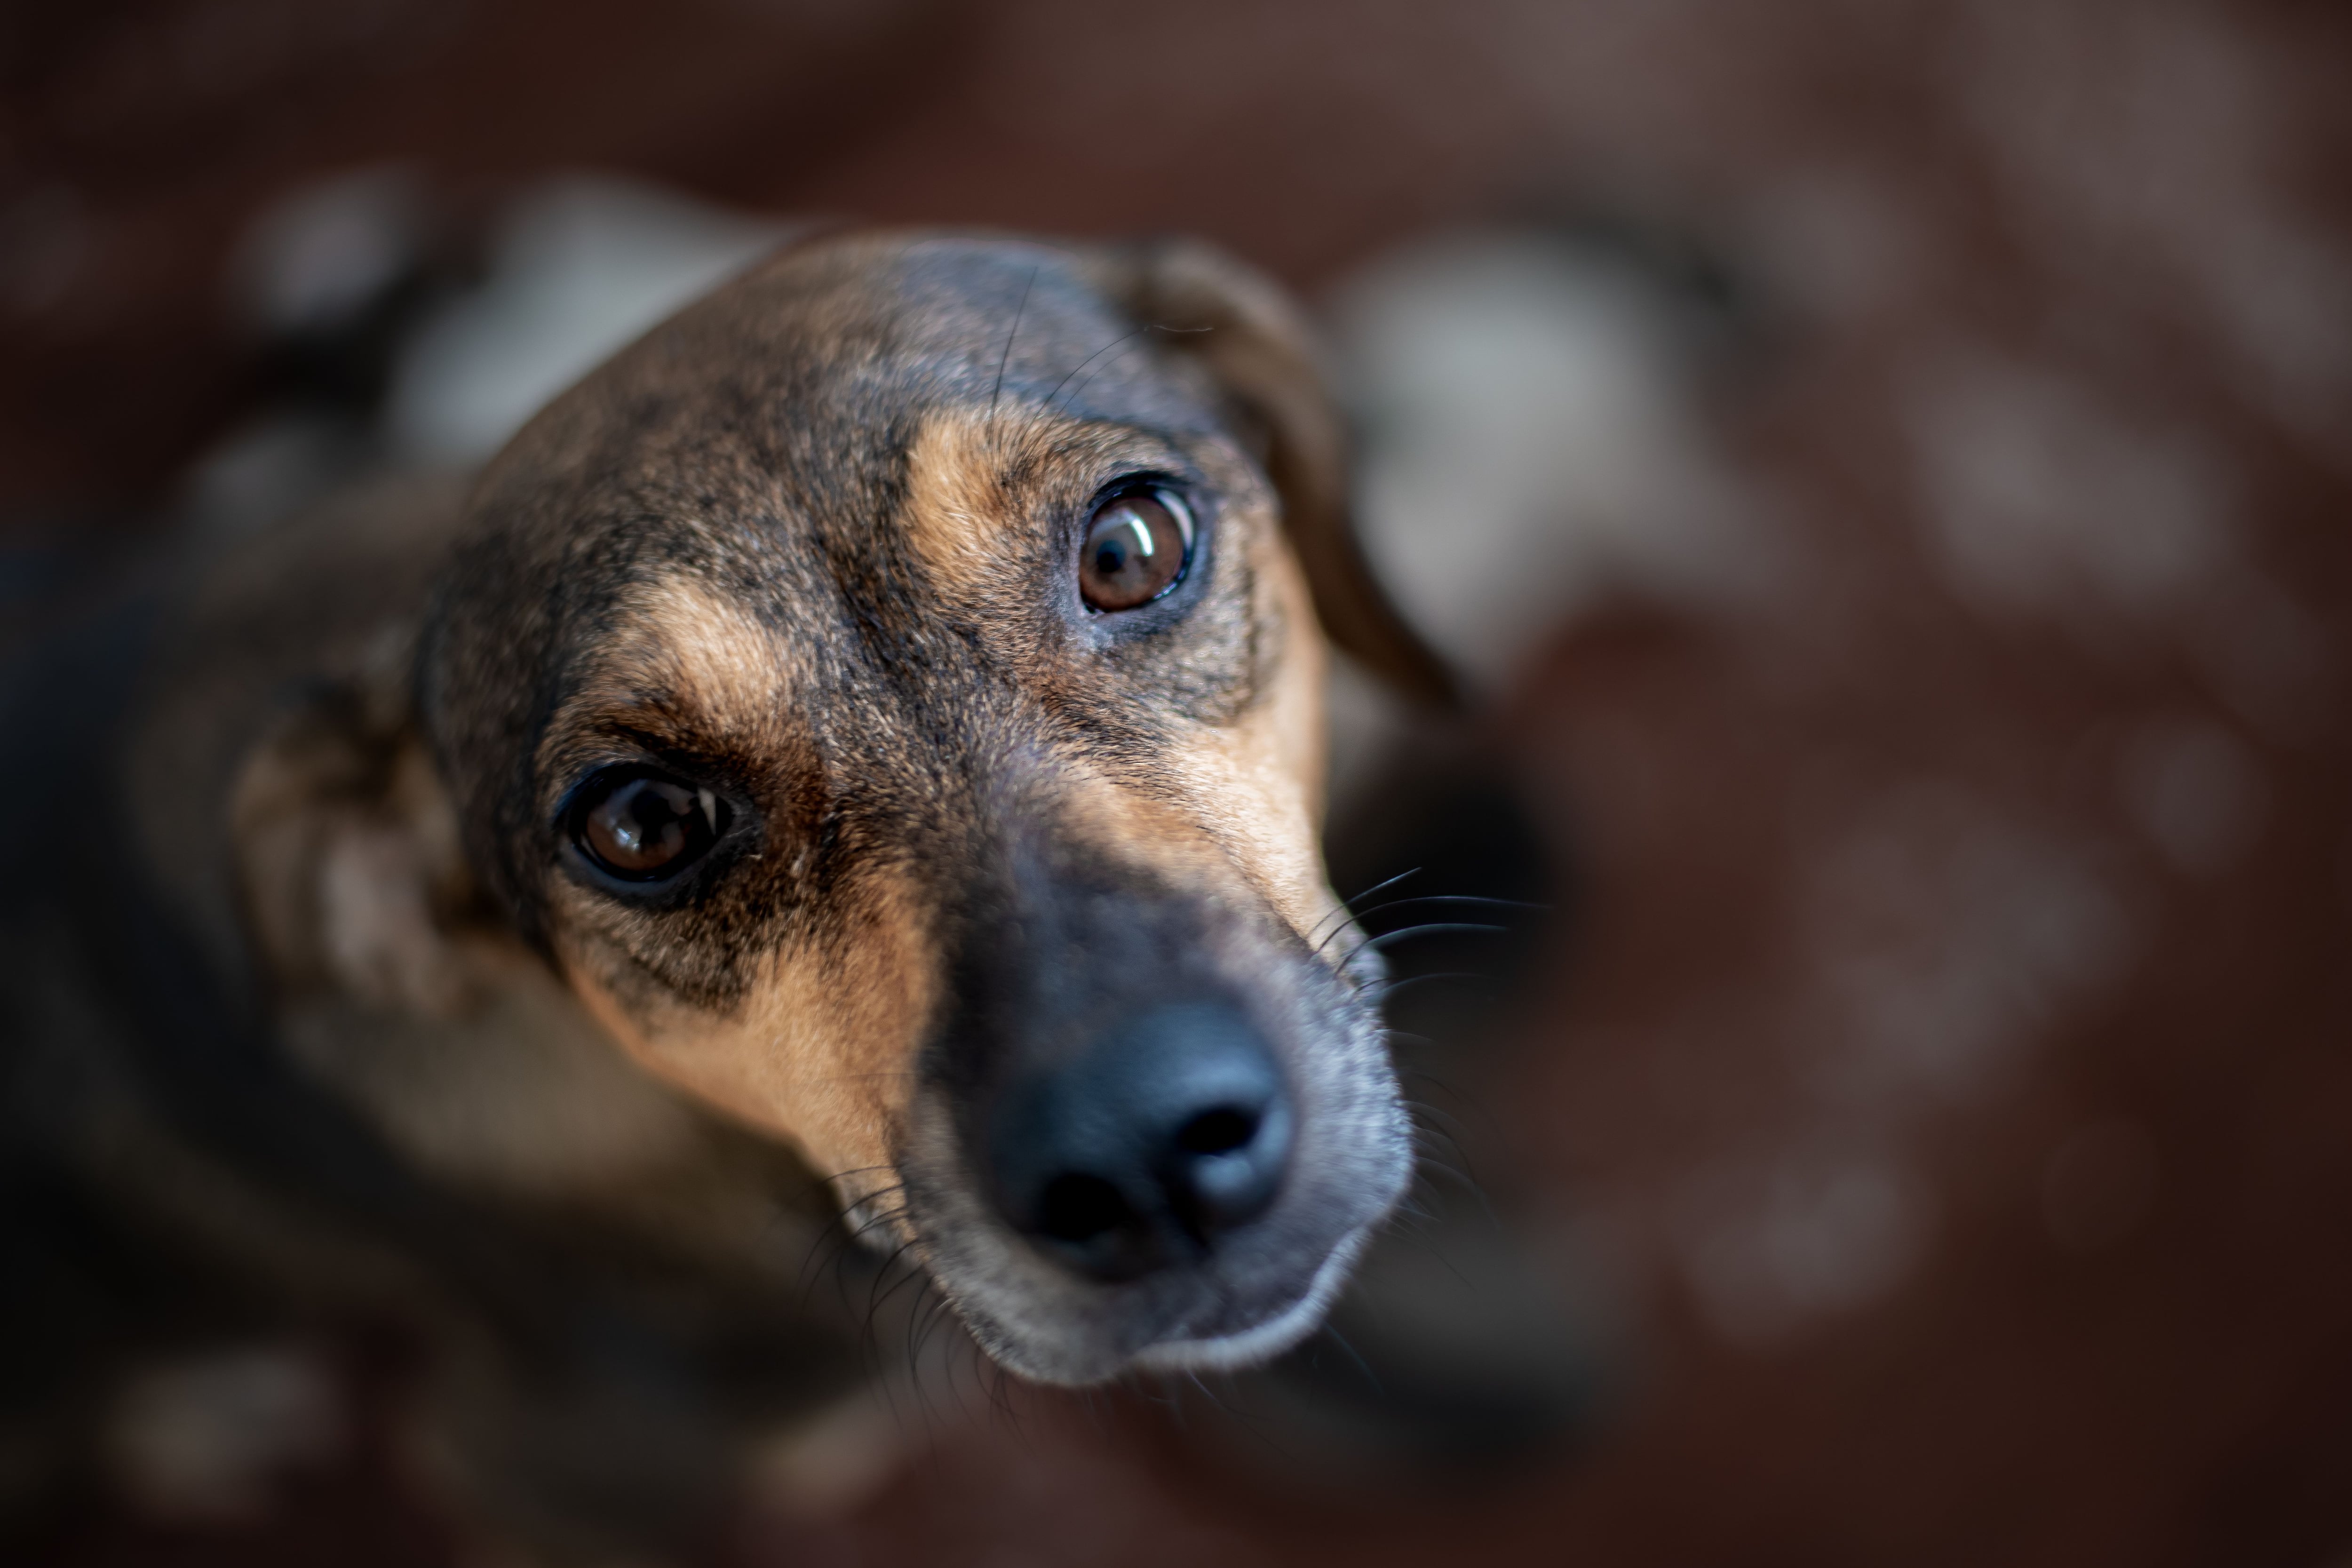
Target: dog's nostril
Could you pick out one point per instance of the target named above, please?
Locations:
(1218, 1131)
(1078, 1207)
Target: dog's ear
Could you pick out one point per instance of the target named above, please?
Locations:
(1239, 326)
(348, 852)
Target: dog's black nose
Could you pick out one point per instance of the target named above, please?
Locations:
(1145, 1148)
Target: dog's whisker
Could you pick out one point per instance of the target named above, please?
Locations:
(1355, 1355)
(1381, 990)
(1426, 1140)
(1114, 343)
(1479, 899)
(1378, 887)
(1358, 918)
(1475, 1110)
(1006, 358)
(1421, 1108)
(1435, 928)
(1347, 909)
(1440, 1167)
(877, 1294)
(838, 1233)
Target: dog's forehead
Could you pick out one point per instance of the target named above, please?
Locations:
(828, 357)
(814, 447)
(781, 412)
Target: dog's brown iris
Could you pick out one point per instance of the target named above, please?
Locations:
(643, 828)
(1137, 548)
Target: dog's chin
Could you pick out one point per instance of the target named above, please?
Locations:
(1084, 1348)
(1092, 1336)
(1251, 1346)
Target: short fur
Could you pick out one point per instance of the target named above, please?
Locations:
(811, 543)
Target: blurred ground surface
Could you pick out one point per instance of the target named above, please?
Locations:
(1949, 1068)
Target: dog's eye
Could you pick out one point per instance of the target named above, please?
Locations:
(1137, 545)
(644, 827)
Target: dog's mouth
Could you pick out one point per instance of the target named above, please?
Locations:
(1181, 1194)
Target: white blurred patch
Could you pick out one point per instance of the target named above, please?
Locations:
(1948, 938)
(1777, 1245)
(2149, 138)
(582, 267)
(209, 1438)
(1945, 938)
(2044, 501)
(322, 254)
(2196, 790)
(267, 470)
(1531, 441)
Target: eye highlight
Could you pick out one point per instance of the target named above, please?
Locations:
(642, 827)
(1137, 546)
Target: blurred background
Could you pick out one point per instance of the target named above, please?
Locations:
(1886, 467)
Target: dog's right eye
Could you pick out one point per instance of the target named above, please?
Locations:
(645, 827)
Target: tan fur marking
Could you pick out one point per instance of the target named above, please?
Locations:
(954, 516)
(1265, 771)
(680, 634)
(821, 1052)
(1255, 787)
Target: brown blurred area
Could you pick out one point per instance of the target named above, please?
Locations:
(1946, 1068)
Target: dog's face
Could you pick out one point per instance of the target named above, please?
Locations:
(890, 694)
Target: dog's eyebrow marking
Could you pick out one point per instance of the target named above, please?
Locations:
(953, 501)
(966, 508)
(959, 512)
(708, 650)
(683, 655)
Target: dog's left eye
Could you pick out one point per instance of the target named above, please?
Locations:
(1136, 547)
(645, 827)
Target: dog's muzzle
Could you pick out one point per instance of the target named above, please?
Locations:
(1155, 1130)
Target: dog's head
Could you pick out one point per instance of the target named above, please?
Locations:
(890, 692)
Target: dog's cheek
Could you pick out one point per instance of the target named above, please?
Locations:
(819, 1049)
(1289, 733)
(1259, 778)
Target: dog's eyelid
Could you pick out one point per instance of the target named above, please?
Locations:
(714, 803)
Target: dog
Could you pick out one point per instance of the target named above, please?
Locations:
(870, 725)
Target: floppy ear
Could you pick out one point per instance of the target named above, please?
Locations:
(349, 856)
(1239, 326)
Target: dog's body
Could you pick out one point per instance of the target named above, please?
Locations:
(877, 720)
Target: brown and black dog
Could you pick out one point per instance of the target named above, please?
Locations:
(886, 700)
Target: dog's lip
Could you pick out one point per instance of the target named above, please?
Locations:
(1091, 1360)
(1274, 1335)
